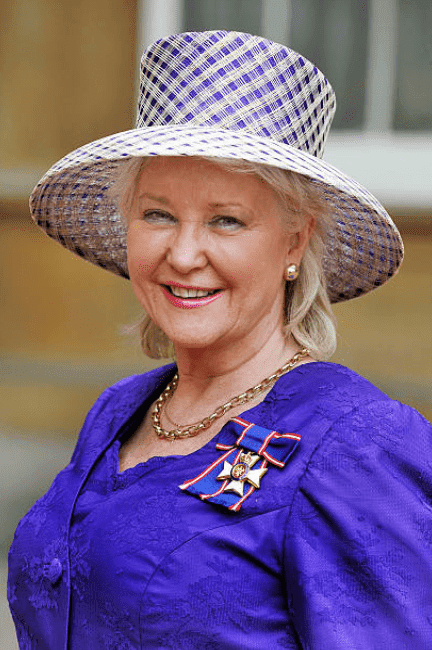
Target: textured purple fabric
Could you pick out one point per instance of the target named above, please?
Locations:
(334, 550)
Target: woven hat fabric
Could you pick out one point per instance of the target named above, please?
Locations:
(223, 95)
(236, 82)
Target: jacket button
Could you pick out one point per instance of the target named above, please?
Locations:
(53, 570)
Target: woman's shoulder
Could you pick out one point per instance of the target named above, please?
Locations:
(328, 379)
(351, 394)
(134, 387)
(357, 436)
(322, 391)
(118, 403)
(334, 406)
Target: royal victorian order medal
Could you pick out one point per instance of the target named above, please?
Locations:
(241, 472)
(244, 463)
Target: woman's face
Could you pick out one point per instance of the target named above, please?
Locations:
(207, 249)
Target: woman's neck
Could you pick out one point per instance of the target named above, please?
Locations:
(208, 378)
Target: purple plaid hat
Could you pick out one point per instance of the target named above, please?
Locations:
(224, 95)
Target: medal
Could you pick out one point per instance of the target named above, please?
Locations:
(247, 456)
(241, 472)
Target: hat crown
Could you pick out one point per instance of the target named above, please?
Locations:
(238, 82)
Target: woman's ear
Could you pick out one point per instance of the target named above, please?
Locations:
(299, 242)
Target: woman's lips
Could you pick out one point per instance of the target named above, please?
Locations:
(189, 303)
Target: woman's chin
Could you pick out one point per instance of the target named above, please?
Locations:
(195, 340)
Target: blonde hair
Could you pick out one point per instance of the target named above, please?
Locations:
(308, 315)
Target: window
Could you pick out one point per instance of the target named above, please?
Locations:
(333, 34)
(237, 15)
(413, 100)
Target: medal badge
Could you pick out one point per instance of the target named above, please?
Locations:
(249, 451)
(242, 473)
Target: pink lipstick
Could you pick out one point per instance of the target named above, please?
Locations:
(190, 303)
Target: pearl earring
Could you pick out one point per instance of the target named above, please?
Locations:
(291, 272)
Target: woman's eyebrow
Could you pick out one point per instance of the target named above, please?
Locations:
(159, 199)
(230, 204)
(217, 204)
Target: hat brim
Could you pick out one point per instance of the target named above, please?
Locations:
(72, 205)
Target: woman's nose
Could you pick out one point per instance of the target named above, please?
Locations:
(187, 249)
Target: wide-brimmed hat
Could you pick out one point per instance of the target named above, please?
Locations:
(224, 95)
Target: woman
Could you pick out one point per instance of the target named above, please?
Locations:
(251, 495)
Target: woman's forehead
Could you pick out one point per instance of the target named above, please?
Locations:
(200, 176)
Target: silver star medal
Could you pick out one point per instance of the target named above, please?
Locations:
(241, 472)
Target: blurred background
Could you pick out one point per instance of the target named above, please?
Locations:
(68, 75)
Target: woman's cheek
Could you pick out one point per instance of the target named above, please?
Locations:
(144, 266)
(140, 259)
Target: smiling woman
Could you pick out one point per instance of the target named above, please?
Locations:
(217, 231)
(250, 495)
(307, 313)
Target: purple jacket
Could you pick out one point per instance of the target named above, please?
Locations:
(324, 539)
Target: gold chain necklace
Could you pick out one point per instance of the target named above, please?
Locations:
(190, 430)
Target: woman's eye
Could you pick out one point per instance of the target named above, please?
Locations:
(227, 223)
(157, 217)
